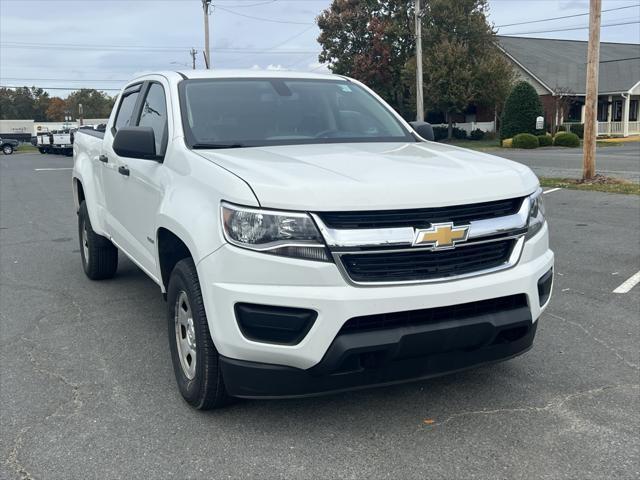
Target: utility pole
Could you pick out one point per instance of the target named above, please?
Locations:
(591, 100)
(207, 56)
(419, 79)
(193, 54)
(80, 114)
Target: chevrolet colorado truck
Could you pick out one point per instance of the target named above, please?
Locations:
(306, 238)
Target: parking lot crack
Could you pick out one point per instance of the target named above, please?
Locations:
(555, 404)
(587, 332)
(13, 459)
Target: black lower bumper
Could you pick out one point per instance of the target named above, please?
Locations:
(391, 355)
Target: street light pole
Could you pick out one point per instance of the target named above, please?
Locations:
(591, 100)
(419, 79)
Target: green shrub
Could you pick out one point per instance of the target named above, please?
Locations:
(565, 139)
(521, 109)
(476, 134)
(525, 140)
(545, 140)
(578, 130)
(459, 133)
(439, 133)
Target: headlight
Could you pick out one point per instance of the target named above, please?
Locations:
(536, 214)
(289, 234)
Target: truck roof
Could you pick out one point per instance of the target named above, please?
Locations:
(197, 74)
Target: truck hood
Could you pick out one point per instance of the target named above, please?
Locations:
(371, 176)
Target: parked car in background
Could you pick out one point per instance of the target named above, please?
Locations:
(8, 146)
(306, 238)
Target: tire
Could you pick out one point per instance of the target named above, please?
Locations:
(42, 150)
(7, 149)
(99, 256)
(200, 383)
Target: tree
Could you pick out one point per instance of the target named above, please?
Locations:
(462, 64)
(57, 110)
(371, 41)
(7, 108)
(563, 98)
(494, 80)
(521, 109)
(95, 104)
(23, 103)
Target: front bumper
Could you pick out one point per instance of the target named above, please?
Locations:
(232, 275)
(384, 357)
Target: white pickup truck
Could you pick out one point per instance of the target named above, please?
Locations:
(306, 238)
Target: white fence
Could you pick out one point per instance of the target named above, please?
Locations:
(610, 128)
(471, 126)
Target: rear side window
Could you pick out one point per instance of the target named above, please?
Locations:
(125, 111)
(154, 115)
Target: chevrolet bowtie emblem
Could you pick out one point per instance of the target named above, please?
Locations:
(441, 236)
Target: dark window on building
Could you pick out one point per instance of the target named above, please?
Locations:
(633, 111)
(617, 111)
(575, 112)
(602, 111)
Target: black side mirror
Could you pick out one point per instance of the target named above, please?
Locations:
(136, 142)
(424, 129)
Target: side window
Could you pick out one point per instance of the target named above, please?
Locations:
(154, 115)
(125, 111)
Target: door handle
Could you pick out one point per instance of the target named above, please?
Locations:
(103, 158)
(123, 171)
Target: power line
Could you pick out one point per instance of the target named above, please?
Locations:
(572, 28)
(565, 16)
(620, 59)
(137, 49)
(262, 19)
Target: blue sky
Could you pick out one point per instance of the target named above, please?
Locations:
(100, 43)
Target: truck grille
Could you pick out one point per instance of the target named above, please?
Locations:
(402, 266)
(420, 217)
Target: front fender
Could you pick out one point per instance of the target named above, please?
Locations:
(190, 207)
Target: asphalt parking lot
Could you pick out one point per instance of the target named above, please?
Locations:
(87, 388)
(621, 161)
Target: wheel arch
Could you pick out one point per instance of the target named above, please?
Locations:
(78, 192)
(171, 248)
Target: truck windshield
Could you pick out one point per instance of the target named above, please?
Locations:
(231, 113)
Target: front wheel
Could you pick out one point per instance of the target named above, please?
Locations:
(99, 255)
(194, 356)
(7, 149)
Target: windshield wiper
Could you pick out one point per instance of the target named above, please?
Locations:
(203, 146)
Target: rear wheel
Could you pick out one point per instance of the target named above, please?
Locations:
(194, 356)
(99, 255)
(7, 149)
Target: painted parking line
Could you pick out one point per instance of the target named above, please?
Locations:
(551, 190)
(628, 284)
(52, 169)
